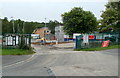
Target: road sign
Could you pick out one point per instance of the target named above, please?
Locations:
(91, 37)
(105, 43)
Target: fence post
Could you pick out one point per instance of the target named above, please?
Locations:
(78, 42)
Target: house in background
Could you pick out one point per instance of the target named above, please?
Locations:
(43, 32)
(60, 34)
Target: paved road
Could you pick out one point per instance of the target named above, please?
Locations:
(11, 59)
(60, 62)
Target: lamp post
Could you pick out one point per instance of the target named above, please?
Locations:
(13, 25)
(45, 29)
(0, 26)
(23, 29)
(45, 22)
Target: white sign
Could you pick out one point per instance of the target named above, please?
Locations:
(35, 36)
(76, 34)
(17, 39)
(85, 38)
(27, 40)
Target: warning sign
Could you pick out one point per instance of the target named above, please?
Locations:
(91, 37)
(105, 43)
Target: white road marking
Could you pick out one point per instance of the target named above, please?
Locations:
(27, 60)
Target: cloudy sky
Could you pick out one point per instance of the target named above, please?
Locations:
(38, 10)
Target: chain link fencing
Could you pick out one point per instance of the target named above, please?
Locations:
(94, 40)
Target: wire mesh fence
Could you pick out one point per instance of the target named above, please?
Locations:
(94, 40)
(10, 41)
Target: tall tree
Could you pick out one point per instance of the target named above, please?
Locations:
(110, 17)
(79, 21)
(6, 26)
(21, 26)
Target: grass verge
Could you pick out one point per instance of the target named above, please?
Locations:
(99, 48)
(16, 52)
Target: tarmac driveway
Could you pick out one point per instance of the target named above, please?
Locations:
(48, 61)
(12, 59)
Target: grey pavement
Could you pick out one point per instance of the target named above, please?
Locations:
(11, 59)
(51, 61)
(99, 69)
(66, 45)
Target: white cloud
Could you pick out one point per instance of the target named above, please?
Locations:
(1, 10)
(58, 0)
(37, 10)
(53, 0)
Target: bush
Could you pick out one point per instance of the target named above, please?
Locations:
(25, 47)
(22, 44)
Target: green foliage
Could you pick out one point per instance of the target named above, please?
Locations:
(25, 47)
(110, 17)
(79, 21)
(19, 26)
(6, 26)
(25, 27)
